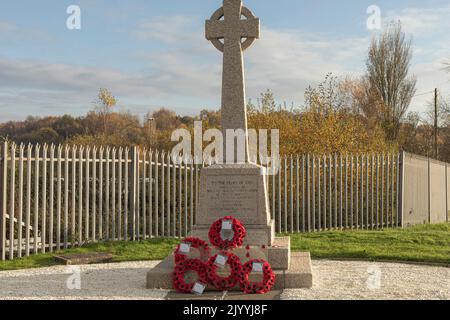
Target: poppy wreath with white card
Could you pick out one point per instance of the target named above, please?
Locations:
(257, 265)
(214, 264)
(195, 265)
(184, 248)
(227, 233)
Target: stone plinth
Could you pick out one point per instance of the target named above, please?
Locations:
(84, 258)
(298, 275)
(237, 190)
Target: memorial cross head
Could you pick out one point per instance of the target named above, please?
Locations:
(227, 28)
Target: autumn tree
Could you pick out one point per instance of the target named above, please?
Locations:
(331, 94)
(210, 119)
(323, 125)
(104, 104)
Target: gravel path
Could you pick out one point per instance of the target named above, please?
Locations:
(335, 280)
(332, 280)
(116, 281)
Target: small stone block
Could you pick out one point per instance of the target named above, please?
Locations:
(299, 274)
(84, 258)
(279, 255)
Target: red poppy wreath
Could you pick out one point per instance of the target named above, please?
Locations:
(224, 283)
(257, 287)
(196, 265)
(200, 245)
(237, 232)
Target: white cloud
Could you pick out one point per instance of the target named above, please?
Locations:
(12, 34)
(169, 30)
(422, 21)
(185, 72)
(6, 27)
(288, 61)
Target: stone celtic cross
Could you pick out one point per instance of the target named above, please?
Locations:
(232, 29)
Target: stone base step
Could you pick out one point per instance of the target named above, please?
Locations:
(299, 274)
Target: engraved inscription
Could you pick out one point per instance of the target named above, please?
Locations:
(233, 195)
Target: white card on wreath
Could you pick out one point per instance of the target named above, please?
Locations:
(198, 288)
(227, 225)
(221, 260)
(257, 267)
(185, 248)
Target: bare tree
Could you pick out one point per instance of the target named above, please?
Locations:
(388, 77)
(443, 108)
(447, 66)
(332, 94)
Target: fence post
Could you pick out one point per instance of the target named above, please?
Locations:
(133, 189)
(401, 189)
(446, 191)
(429, 190)
(3, 186)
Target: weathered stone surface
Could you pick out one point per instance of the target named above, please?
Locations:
(299, 274)
(279, 255)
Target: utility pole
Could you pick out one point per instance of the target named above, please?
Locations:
(436, 123)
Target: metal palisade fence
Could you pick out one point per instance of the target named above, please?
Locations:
(56, 197)
(336, 192)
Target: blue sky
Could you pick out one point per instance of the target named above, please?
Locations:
(153, 53)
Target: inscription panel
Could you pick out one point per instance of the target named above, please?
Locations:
(232, 195)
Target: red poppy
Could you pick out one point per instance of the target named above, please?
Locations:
(229, 282)
(257, 287)
(238, 237)
(196, 265)
(200, 245)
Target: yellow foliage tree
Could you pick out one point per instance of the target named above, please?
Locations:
(326, 125)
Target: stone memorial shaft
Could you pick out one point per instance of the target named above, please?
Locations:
(237, 35)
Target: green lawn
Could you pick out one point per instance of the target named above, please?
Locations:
(155, 249)
(426, 243)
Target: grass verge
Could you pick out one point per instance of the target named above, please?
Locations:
(423, 243)
(154, 249)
